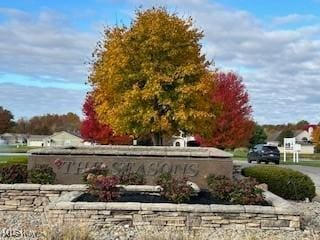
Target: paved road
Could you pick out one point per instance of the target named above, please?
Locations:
(312, 172)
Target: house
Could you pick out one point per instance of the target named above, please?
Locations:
(13, 138)
(184, 140)
(272, 138)
(62, 138)
(36, 140)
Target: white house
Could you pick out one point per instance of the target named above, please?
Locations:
(184, 140)
(63, 138)
(36, 140)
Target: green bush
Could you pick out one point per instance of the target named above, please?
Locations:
(132, 178)
(242, 191)
(175, 189)
(284, 182)
(13, 173)
(42, 174)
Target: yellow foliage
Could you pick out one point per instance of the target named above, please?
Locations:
(152, 78)
(316, 137)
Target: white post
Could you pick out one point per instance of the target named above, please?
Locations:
(284, 154)
(294, 156)
(297, 157)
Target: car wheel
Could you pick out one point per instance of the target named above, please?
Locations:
(258, 161)
(267, 162)
(277, 162)
(249, 161)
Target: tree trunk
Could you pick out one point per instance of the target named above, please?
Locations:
(157, 139)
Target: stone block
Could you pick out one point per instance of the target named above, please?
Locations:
(64, 205)
(28, 198)
(275, 223)
(8, 207)
(193, 208)
(289, 217)
(294, 224)
(227, 208)
(26, 202)
(211, 218)
(90, 205)
(25, 208)
(162, 207)
(26, 186)
(6, 186)
(12, 202)
(259, 209)
(127, 206)
(104, 212)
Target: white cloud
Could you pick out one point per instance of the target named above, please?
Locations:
(43, 45)
(293, 18)
(25, 101)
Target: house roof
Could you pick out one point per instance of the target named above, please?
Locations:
(37, 137)
(58, 133)
(273, 136)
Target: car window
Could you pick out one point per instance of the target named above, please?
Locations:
(270, 148)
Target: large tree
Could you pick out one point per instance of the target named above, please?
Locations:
(151, 78)
(259, 136)
(6, 118)
(94, 131)
(316, 138)
(233, 127)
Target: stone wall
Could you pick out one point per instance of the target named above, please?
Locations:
(33, 197)
(56, 202)
(194, 163)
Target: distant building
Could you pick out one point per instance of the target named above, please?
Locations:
(36, 140)
(13, 138)
(60, 139)
(184, 140)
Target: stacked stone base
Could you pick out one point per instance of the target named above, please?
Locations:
(55, 202)
(177, 215)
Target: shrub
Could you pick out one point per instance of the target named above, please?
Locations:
(129, 178)
(284, 182)
(243, 191)
(97, 170)
(42, 174)
(103, 187)
(175, 189)
(15, 173)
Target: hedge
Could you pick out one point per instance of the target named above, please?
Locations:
(284, 182)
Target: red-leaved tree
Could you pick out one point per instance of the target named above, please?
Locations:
(92, 130)
(233, 127)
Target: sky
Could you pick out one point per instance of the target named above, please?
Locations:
(45, 47)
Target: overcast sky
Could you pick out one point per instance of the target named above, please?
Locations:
(274, 45)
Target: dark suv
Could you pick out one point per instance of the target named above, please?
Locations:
(264, 153)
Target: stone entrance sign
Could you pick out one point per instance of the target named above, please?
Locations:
(194, 163)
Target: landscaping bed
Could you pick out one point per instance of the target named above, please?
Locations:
(201, 198)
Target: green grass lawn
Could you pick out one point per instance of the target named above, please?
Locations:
(13, 159)
(14, 149)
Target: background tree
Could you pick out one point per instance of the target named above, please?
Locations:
(48, 124)
(233, 127)
(93, 131)
(286, 133)
(6, 118)
(151, 78)
(301, 124)
(259, 136)
(316, 138)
